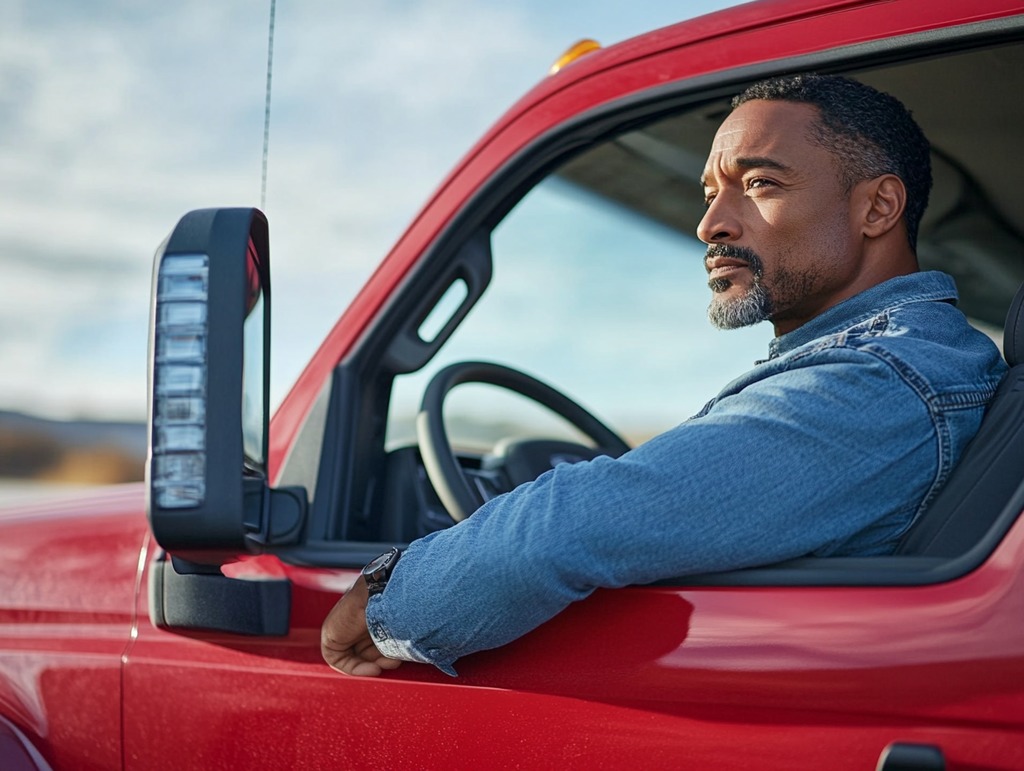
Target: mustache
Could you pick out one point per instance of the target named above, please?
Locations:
(728, 251)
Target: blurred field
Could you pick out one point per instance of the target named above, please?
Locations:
(69, 452)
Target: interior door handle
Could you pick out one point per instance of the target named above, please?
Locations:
(901, 756)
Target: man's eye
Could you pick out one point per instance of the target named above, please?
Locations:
(708, 200)
(759, 182)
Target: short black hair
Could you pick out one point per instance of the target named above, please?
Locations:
(868, 131)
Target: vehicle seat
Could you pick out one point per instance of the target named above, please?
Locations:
(983, 489)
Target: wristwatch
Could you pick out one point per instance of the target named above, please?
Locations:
(378, 570)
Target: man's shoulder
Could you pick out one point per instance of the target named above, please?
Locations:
(925, 322)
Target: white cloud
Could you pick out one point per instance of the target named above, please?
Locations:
(95, 144)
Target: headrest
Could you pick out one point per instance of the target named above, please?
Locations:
(1013, 331)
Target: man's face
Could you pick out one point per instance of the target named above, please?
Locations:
(781, 238)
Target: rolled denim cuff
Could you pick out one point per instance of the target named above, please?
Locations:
(393, 648)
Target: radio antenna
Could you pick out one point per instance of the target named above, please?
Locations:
(266, 107)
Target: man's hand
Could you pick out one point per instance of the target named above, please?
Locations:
(345, 642)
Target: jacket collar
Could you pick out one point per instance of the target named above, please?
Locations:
(926, 286)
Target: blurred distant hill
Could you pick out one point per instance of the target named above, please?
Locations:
(75, 451)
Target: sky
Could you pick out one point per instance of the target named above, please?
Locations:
(116, 118)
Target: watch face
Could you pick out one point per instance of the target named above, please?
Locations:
(378, 570)
(377, 563)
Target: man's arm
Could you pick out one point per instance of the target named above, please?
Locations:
(810, 458)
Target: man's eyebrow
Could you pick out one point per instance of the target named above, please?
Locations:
(761, 162)
(754, 162)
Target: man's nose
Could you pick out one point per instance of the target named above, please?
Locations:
(718, 225)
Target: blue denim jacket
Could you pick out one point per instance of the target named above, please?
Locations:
(831, 446)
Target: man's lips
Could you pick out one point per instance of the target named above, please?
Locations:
(721, 267)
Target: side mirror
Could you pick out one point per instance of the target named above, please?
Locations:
(208, 386)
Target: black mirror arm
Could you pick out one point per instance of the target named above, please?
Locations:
(273, 515)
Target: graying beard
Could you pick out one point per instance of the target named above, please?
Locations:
(752, 308)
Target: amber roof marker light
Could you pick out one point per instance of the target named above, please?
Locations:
(577, 50)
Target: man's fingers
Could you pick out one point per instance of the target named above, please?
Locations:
(364, 668)
(358, 657)
(345, 642)
(359, 665)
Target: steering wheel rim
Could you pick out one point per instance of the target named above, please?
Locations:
(459, 497)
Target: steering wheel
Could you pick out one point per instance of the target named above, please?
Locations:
(523, 461)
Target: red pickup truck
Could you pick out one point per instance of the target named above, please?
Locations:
(176, 624)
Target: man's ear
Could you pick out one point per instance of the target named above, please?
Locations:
(883, 200)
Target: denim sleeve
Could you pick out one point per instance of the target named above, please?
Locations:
(831, 456)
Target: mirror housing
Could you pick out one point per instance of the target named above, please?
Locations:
(209, 356)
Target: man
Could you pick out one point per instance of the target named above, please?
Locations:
(815, 187)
